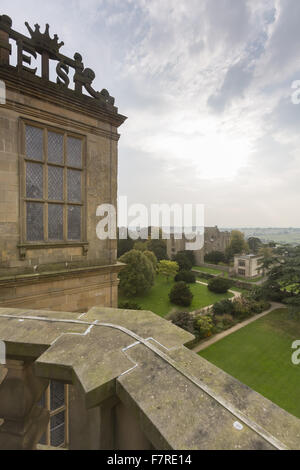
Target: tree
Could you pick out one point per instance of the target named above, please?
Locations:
(159, 248)
(124, 246)
(181, 294)
(283, 283)
(184, 261)
(151, 257)
(254, 244)
(237, 244)
(219, 285)
(186, 276)
(215, 257)
(138, 275)
(167, 268)
(141, 245)
(267, 258)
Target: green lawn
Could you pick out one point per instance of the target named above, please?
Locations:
(157, 300)
(203, 269)
(259, 355)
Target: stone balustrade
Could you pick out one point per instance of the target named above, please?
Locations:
(133, 386)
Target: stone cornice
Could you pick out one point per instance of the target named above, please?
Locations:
(38, 88)
(24, 279)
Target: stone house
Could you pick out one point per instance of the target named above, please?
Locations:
(247, 265)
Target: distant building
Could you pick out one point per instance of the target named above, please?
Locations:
(247, 265)
(214, 240)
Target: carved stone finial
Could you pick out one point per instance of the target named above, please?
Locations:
(43, 42)
(6, 20)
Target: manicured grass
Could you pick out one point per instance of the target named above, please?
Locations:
(259, 355)
(203, 269)
(157, 300)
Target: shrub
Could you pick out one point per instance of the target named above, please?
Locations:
(219, 285)
(186, 276)
(183, 320)
(228, 320)
(181, 294)
(223, 307)
(257, 293)
(204, 326)
(126, 305)
(241, 309)
(223, 322)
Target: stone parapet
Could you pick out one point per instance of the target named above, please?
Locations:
(137, 387)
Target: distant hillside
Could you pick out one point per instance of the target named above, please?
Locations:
(279, 235)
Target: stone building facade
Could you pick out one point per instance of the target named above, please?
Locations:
(247, 266)
(214, 240)
(58, 163)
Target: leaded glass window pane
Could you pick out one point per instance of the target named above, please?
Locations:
(57, 395)
(57, 430)
(35, 221)
(34, 181)
(74, 222)
(34, 143)
(74, 186)
(55, 222)
(74, 152)
(55, 148)
(55, 183)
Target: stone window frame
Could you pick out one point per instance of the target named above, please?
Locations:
(35, 245)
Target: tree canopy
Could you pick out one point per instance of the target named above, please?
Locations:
(138, 275)
(238, 244)
(168, 268)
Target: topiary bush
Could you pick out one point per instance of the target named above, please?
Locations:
(186, 276)
(181, 294)
(219, 285)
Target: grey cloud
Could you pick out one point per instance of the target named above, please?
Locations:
(237, 80)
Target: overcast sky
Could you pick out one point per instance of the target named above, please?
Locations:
(206, 86)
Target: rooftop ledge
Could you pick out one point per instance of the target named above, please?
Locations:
(181, 401)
